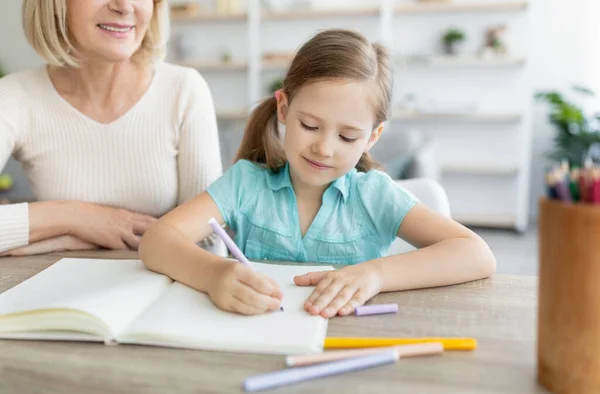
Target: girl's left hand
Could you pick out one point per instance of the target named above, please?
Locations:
(340, 291)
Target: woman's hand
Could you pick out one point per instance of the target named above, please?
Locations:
(58, 244)
(340, 291)
(237, 288)
(111, 228)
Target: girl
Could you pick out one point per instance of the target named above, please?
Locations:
(313, 195)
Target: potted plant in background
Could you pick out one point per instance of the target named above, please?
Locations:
(578, 135)
(275, 85)
(450, 40)
(6, 183)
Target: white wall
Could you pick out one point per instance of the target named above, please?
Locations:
(566, 51)
(15, 53)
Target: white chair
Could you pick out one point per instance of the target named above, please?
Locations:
(430, 193)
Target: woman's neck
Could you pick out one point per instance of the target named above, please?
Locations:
(98, 82)
(103, 91)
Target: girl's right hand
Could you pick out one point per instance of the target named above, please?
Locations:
(238, 288)
(108, 227)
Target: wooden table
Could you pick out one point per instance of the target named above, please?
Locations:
(499, 312)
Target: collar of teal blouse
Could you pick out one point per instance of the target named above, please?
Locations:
(279, 180)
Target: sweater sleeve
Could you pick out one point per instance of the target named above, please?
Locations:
(199, 157)
(14, 218)
(14, 225)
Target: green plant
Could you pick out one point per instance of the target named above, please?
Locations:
(2, 73)
(453, 36)
(576, 131)
(6, 182)
(275, 85)
(226, 57)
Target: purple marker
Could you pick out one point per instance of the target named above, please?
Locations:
(296, 375)
(233, 248)
(376, 309)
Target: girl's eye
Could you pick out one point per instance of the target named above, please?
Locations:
(346, 139)
(305, 126)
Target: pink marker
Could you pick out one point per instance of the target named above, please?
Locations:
(375, 309)
(404, 351)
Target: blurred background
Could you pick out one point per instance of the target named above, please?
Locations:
(464, 106)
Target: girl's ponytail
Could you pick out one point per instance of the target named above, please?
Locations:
(261, 143)
(367, 163)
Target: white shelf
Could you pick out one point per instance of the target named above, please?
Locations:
(480, 169)
(434, 8)
(232, 115)
(215, 66)
(460, 61)
(273, 15)
(449, 117)
(321, 14)
(491, 220)
(209, 17)
(276, 65)
(423, 8)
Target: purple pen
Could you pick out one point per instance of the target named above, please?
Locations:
(375, 309)
(233, 248)
(297, 375)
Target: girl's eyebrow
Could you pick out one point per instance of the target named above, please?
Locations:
(345, 127)
(351, 128)
(310, 115)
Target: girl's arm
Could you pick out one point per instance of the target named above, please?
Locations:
(169, 247)
(449, 253)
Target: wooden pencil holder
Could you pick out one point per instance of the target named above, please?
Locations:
(569, 297)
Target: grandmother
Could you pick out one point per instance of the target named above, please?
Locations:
(109, 135)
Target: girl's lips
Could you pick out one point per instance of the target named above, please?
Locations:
(316, 164)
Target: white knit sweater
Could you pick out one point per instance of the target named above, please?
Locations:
(162, 152)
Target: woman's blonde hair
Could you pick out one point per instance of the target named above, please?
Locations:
(330, 55)
(46, 29)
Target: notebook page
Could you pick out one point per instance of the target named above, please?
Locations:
(115, 291)
(183, 317)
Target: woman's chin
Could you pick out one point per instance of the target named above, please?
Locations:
(115, 56)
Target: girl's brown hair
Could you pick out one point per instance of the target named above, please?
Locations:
(330, 55)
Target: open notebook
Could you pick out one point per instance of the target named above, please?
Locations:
(119, 301)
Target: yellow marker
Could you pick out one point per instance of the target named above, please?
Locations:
(349, 343)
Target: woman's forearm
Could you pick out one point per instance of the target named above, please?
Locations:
(50, 219)
(25, 224)
(166, 250)
(454, 260)
(50, 245)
